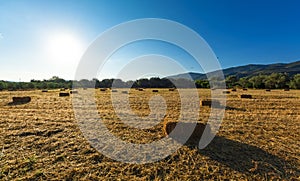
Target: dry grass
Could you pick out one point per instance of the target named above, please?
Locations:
(258, 139)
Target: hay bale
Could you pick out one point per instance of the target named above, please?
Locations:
(25, 99)
(286, 89)
(268, 90)
(226, 92)
(182, 129)
(44, 90)
(172, 89)
(233, 90)
(246, 96)
(140, 89)
(124, 92)
(64, 94)
(103, 89)
(155, 90)
(206, 103)
(244, 89)
(209, 102)
(73, 92)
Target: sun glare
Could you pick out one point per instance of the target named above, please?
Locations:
(64, 49)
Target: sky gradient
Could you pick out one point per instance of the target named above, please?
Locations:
(34, 34)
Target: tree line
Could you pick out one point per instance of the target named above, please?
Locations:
(272, 81)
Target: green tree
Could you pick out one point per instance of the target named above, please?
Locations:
(118, 83)
(295, 82)
(231, 81)
(11, 86)
(245, 83)
(143, 83)
(258, 81)
(282, 81)
(202, 84)
(56, 79)
(106, 83)
(276, 81)
(3, 85)
(51, 85)
(85, 83)
(131, 83)
(96, 83)
(30, 85)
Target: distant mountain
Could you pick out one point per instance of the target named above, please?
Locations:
(249, 70)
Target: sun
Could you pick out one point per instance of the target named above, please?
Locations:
(63, 49)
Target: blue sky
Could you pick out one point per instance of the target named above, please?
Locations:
(34, 34)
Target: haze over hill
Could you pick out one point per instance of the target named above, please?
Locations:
(249, 70)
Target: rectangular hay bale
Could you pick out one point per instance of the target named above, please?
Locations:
(226, 92)
(64, 94)
(210, 102)
(181, 129)
(73, 92)
(246, 96)
(25, 99)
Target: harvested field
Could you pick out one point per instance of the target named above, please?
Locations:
(258, 139)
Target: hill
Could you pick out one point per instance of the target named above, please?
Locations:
(249, 70)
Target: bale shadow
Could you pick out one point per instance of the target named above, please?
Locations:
(242, 157)
(234, 108)
(247, 158)
(16, 103)
(228, 108)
